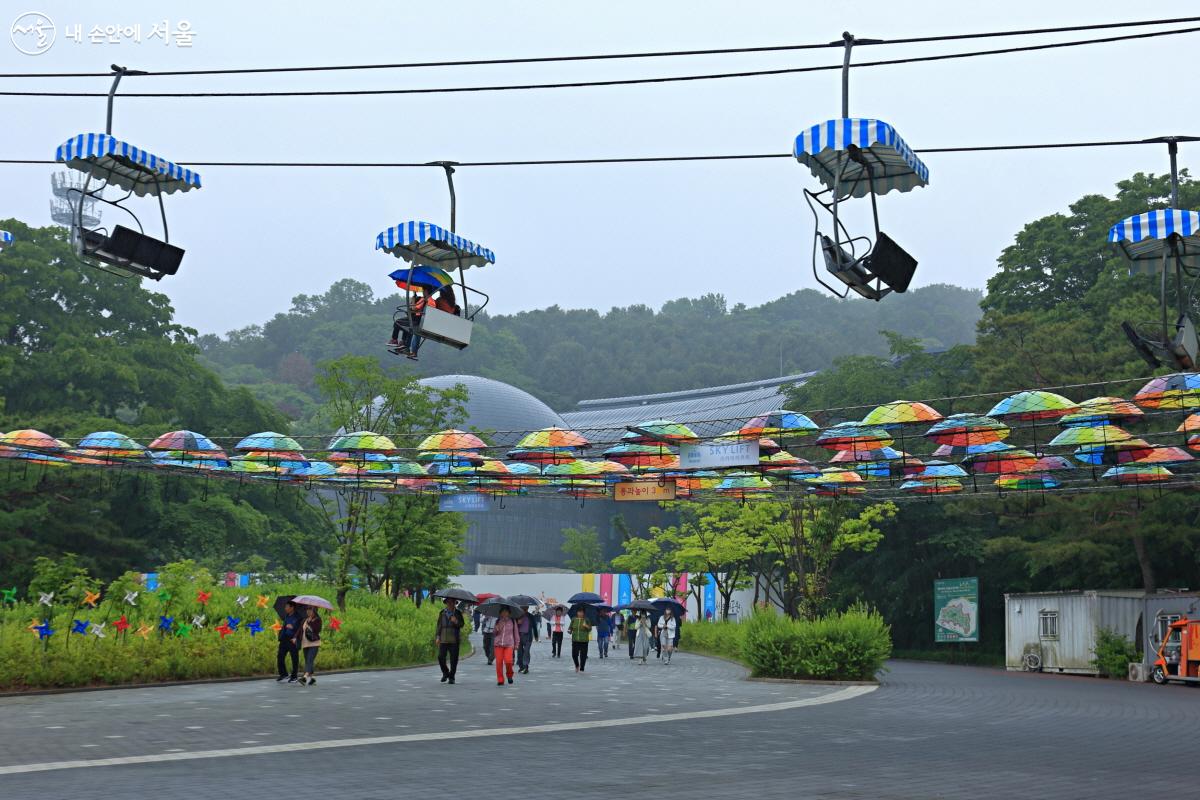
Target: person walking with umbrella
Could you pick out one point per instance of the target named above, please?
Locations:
(666, 635)
(310, 643)
(603, 632)
(558, 624)
(642, 645)
(487, 626)
(447, 638)
(505, 638)
(289, 639)
(581, 631)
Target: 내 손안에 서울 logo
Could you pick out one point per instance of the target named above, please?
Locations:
(32, 33)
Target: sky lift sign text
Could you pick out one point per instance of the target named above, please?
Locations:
(714, 455)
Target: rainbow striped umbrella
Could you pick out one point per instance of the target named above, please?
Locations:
(1027, 483)
(30, 439)
(1139, 473)
(1033, 405)
(780, 423)
(901, 412)
(544, 455)
(940, 470)
(456, 458)
(185, 441)
(420, 276)
(450, 441)
(363, 442)
(1087, 435)
(1001, 463)
(931, 486)
(1174, 392)
(950, 450)
(552, 439)
(659, 430)
(1167, 455)
(1052, 464)
(1103, 411)
(743, 485)
(111, 441)
(632, 455)
(1115, 454)
(269, 441)
(854, 436)
(1194, 442)
(967, 429)
(1191, 424)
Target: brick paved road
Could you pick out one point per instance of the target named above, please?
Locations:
(928, 731)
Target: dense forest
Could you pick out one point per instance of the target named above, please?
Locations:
(563, 356)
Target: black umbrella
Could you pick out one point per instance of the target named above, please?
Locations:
(491, 608)
(282, 601)
(462, 595)
(639, 605)
(677, 608)
(549, 610)
(589, 612)
(585, 597)
(523, 600)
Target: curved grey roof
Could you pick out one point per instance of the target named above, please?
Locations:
(496, 406)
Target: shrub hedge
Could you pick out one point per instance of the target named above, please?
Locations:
(849, 645)
(373, 632)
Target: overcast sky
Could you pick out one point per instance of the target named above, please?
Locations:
(592, 236)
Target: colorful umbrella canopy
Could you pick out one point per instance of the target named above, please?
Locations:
(1139, 473)
(780, 423)
(269, 441)
(949, 450)
(940, 470)
(866, 456)
(1114, 454)
(363, 442)
(1103, 411)
(30, 439)
(421, 276)
(1081, 435)
(1190, 425)
(1026, 483)
(633, 455)
(743, 482)
(906, 467)
(544, 455)
(854, 436)
(659, 430)
(457, 458)
(967, 429)
(187, 441)
(1032, 406)
(553, 439)
(1178, 391)
(931, 486)
(1167, 455)
(1001, 463)
(901, 412)
(110, 440)
(451, 441)
(1052, 464)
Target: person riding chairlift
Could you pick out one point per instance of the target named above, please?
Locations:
(410, 343)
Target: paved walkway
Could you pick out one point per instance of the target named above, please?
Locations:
(692, 729)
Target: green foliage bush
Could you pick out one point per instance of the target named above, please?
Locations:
(375, 632)
(1113, 652)
(849, 645)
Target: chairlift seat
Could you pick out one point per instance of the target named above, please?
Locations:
(894, 166)
(425, 243)
(886, 265)
(444, 327)
(1144, 238)
(132, 251)
(122, 164)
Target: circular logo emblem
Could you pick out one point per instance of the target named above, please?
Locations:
(32, 33)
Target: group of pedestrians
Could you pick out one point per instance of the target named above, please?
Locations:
(298, 632)
(508, 642)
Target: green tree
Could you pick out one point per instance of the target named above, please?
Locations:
(583, 551)
(721, 539)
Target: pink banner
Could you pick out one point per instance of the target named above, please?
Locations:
(231, 579)
(681, 588)
(606, 587)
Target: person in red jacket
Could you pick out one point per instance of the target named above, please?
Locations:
(505, 638)
(409, 343)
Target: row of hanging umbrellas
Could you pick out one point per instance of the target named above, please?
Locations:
(863, 453)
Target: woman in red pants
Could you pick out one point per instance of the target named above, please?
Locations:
(505, 638)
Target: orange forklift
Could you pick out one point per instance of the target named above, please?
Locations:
(1179, 654)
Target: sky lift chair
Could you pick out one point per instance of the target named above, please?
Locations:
(426, 244)
(1165, 242)
(106, 161)
(853, 158)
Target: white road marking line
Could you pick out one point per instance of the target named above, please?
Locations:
(846, 693)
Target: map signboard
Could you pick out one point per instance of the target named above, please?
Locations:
(956, 610)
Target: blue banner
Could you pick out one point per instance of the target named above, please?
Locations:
(624, 590)
(151, 581)
(464, 502)
(710, 597)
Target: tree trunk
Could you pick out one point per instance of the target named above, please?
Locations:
(1148, 581)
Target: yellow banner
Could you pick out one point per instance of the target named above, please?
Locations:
(642, 491)
(588, 582)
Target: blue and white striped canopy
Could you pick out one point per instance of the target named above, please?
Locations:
(5, 239)
(432, 245)
(895, 166)
(124, 165)
(1142, 238)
